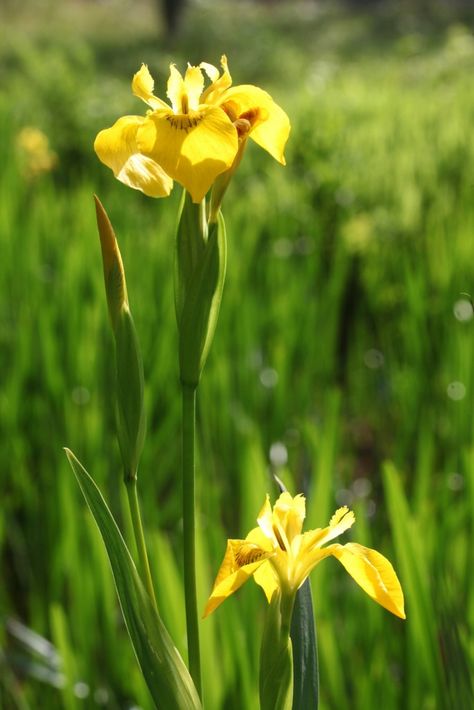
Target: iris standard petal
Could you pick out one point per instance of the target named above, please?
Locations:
(175, 89)
(117, 148)
(374, 573)
(142, 87)
(211, 71)
(291, 512)
(342, 520)
(192, 148)
(194, 83)
(265, 521)
(272, 133)
(242, 558)
(220, 84)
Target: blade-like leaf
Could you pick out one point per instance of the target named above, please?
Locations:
(166, 675)
(305, 651)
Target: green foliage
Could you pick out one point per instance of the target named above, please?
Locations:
(337, 348)
(163, 668)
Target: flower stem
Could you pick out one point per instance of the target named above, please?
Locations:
(131, 486)
(189, 425)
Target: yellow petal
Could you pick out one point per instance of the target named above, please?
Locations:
(307, 554)
(342, 520)
(241, 560)
(194, 84)
(220, 84)
(271, 133)
(211, 71)
(192, 148)
(290, 512)
(143, 85)
(175, 89)
(374, 573)
(266, 577)
(117, 148)
(265, 521)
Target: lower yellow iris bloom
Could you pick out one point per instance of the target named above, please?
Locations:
(279, 556)
(194, 139)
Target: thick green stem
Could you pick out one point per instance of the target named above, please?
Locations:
(189, 425)
(131, 485)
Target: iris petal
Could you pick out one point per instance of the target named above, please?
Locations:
(341, 521)
(192, 148)
(241, 560)
(266, 577)
(374, 573)
(291, 512)
(220, 84)
(272, 133)
(143, 85)
(117, 148)
(175, 89)
(194, 83)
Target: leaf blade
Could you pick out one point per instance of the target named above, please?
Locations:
(164, 670)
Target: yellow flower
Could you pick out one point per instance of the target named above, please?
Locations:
(35, 152)
(196, 138)
(279, 556)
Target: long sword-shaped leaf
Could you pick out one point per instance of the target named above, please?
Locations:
(305, 651)
(163, 668)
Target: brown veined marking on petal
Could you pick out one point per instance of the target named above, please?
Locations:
(184, 122)
(248, 553)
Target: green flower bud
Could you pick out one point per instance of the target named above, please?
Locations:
(129, 366)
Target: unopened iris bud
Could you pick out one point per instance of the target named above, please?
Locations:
(114, 274)
(129, 366)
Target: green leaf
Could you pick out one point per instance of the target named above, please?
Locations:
(416, 581)
(165, 673)
(305, 651)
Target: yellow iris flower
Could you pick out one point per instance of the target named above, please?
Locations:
(279, 556)
(196, 138)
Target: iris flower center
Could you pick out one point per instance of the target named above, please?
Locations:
(184, 121)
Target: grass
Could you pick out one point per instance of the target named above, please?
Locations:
(337, 340)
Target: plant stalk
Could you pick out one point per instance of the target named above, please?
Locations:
(189, 532)
(145, 572)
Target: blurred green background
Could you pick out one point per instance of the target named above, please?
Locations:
(343, 358)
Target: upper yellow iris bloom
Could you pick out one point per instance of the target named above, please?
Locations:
(279, 556)
(196, 138)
